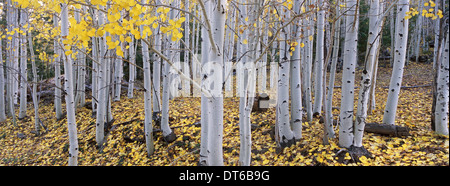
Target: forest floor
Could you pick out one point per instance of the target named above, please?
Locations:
(126, 145)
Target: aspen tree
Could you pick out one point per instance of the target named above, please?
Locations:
(401, 37)
(442, 98)
(348, 74)
(366, 80)
(285, 136)
(23, 65)
(58, 58)
(218, 9)
(148, 128)
(320, 59)
(68, 88)
(2, 84)
(296, 87)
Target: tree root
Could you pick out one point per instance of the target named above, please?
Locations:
(354, 152)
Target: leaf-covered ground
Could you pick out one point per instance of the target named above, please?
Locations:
(125, 141)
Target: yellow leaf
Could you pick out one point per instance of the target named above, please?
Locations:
(155, 25)
(432, 4)
(302, 45)
(245, 42)
(119, 51)
(128, 39)
(68, 52)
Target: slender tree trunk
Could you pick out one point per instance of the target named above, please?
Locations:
(318, 92)
(348, 74)
(442, 96)
(35, 81)
(282, 126)
(218, 9)
(205, 109)
(401, 39)
(296, 88)
(68, 87)
(23, 66)
(132, 68)
(329, 97)
(2, 86)
(148, 127)
(102, 88)
(366, 79)
(308, 65)
(58, 87)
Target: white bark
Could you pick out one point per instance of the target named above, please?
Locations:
(296, 88)
(215, 128)
(282, 126)
(401, 39)
(80, 96)
(68, 87)
(348, 75)
(23, 66)
(442, 98)
(436, 37)
(131, 67)
(148, 127)
(186, 70)
(157, 75)
(308, 65)
(35, 81)
(2, 86)
(58, 87)
(329, 97)
(366, 80)
(418, 31)
(205, 109)
(10, 60)
(102, 88)
(167, 82)
(318, 92)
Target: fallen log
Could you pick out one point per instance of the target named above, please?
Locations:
(386, 129)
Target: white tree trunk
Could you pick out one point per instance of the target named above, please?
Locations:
(205, 109)
(296, 88)
(318, 92)
(186, 70)
(157, 74)
(148, 128)
(80, 96)
(218, 9)
(2, 86)
(308, 65)
(282, 126)
(102, 88)
(329, 99)
(35, 81)
(58, 87)
(436, 37)
(23, 66)
(68, 87)
(442, 98)
(167, 83)
(131, 68)
(418, 31)
(401, 39)
(348, 75)
(366, 80)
